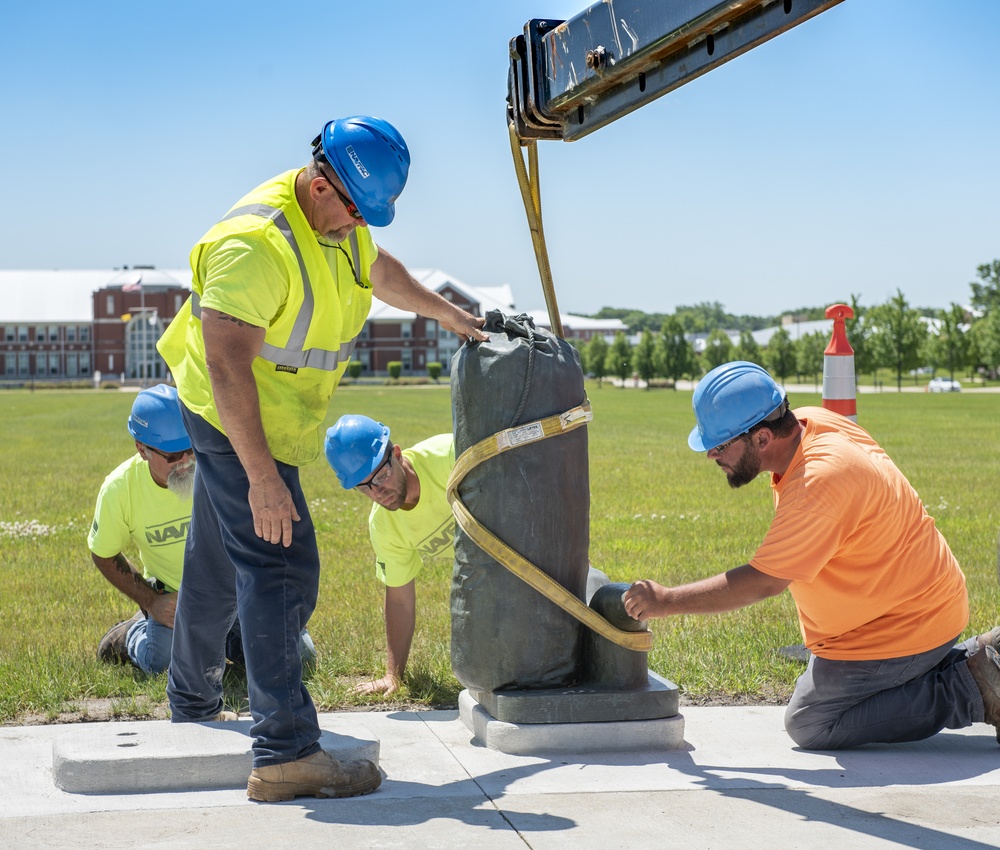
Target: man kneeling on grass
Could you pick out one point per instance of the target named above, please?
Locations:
(147, 500)
(880, 597)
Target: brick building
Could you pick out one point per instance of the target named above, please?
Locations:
(59, 325)
(391, 334)
(581, 327)
(70, 324)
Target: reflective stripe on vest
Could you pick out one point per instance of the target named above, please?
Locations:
(295, 354)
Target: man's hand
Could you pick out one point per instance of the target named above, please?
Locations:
(230, 348)
(163, 608)
(273, 511)
(388, 684)
(466, 326)
(645, 600)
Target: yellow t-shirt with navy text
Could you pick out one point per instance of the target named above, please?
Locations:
(132, 506)
(404, 540)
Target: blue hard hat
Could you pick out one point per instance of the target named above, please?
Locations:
(354, 447)
(156, 420)
(729, 401)
(371, 158)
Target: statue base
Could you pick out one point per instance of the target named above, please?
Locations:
(585, 703)
(569, 737)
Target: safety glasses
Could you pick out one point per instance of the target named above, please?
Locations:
(349, 205)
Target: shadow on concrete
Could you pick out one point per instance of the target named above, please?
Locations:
(413, 803)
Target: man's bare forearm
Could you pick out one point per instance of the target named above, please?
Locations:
(394, 285)
(400, 623)
(727, 591)
(230, 348)
(126, 578)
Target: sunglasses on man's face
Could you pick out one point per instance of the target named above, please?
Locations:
(171, 457)
(349, 205)
(722, 448)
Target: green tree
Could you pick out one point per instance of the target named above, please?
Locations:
(949, 347)
(984, 338)
(635, 320)
(619, 359)
(354, 369)
(779, 355)
(674, 353)
(433, 370)
(859, 333)
(645, 357)
(395, 369)
(747, 349)
(809, 350)
(986, 294)
(595, 358)
(897, 335)
(702, 317)
(718, 350)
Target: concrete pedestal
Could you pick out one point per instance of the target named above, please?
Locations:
(150, 756)
(585, 703)
(665, 733)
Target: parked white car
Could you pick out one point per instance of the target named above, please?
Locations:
(944, 385)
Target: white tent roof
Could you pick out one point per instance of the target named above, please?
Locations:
(579, 323)
(29, 296)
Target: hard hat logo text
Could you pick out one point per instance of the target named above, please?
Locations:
(358, 164)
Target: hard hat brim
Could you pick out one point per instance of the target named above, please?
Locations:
(696, 442)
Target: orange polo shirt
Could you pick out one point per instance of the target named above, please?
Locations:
(871, 575)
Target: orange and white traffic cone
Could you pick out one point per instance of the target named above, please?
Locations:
(839, 394)
(839, 383)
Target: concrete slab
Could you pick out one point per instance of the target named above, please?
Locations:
(150, 756)
(624, 736)
(737, 782)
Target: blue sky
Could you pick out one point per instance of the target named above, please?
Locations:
(855, 154)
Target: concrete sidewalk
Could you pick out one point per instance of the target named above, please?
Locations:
(738, 782)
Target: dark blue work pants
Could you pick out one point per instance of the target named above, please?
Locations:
(229, 570)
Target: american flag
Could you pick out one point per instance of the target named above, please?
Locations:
(133, 285)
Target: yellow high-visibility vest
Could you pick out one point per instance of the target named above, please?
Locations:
(318, 300)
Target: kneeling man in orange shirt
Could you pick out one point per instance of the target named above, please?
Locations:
(880, 597)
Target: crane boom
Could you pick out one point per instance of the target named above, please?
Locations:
(570, 78)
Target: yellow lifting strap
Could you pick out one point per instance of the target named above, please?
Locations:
(532, 198)
(494, 445)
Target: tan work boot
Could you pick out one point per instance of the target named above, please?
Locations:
(985, 669)
(318, 775)
(111, 648)
(224, 716)
(991, 638)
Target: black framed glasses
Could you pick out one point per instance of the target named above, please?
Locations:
(721, 448)
(349, 205)
(381, 475)
(171, 457)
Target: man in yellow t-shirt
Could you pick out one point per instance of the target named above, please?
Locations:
(411, 521)
(880, 597)
(146, 500)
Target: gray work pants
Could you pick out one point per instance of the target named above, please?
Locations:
(841, 704)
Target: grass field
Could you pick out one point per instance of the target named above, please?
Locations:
(658, 510)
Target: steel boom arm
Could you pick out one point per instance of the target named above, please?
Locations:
(569, 78)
